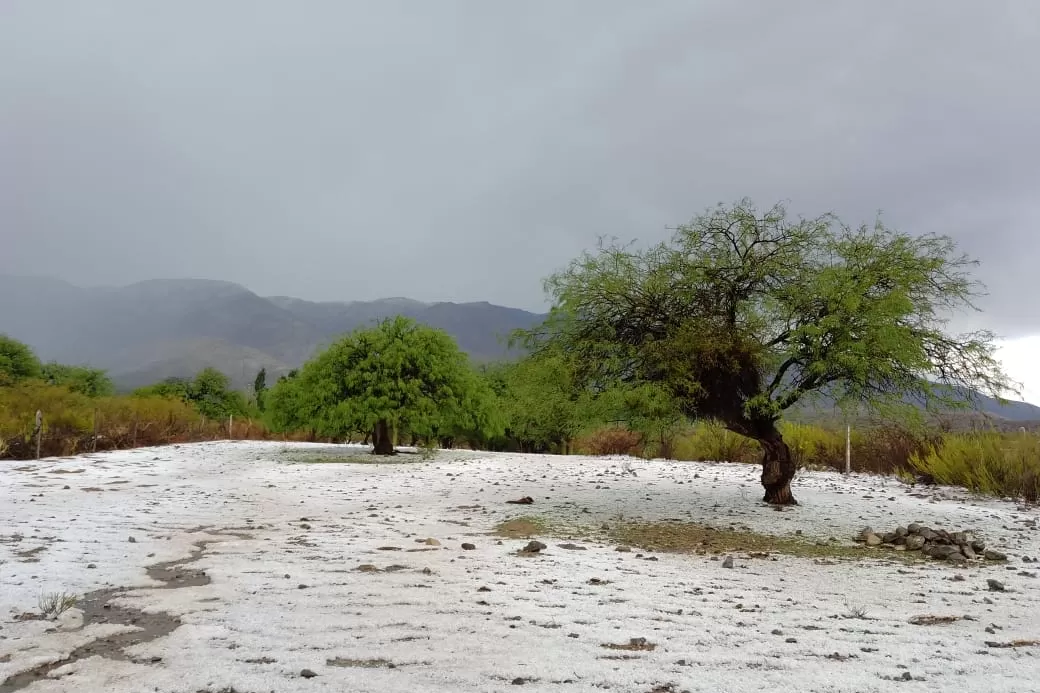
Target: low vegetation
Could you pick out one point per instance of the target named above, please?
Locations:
(530, 406)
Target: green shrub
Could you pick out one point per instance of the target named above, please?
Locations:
(710, 441)
(609, 440)
(993, 463)
(815, 447)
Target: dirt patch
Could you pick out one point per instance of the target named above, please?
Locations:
(360, 458)
(360, 663)
(98, 607)
(28, 556)
(633, 645)
(930, 620)
(678, 537)
(520, 528)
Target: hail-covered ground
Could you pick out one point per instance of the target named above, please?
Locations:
(252, 567)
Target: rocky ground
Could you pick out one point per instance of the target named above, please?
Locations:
(250, 567)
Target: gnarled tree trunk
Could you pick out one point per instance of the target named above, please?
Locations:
(382, 444)
(777, 468)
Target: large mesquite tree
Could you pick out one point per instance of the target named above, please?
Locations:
(397, 376)
(743, 313)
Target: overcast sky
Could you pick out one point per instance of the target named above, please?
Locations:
(462, 150)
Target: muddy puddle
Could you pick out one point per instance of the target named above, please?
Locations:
(99, 607)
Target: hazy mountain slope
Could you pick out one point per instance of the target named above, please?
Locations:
(147, 364)
(822, 407)
(480, 328)
(174, 327)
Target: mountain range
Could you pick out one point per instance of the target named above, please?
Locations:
(161, 328)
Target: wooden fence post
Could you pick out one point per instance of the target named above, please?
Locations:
(93, 444)
(39, 431)
(848, 449)
(231, 427)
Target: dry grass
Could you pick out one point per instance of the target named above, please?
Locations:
(690, 538)
(676, 537)
(520, 528)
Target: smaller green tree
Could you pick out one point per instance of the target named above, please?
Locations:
(476, 417)
(171, 388)
(17, 362)
(545, 407)
(209, 392)
(92, 382)
(212, 395)
(260, 388)
(397, 376)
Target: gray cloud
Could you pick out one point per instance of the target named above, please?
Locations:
(463, 150)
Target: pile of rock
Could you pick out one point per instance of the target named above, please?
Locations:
(935, 543)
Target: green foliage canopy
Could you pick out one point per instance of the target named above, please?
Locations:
(742, 314)
(17, 361)
(407, 376)
(92, 382)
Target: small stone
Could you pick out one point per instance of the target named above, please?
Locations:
(902, 531)
(873, 540)
(431, 542)
(131, 540)
(791, 640)
(777, 632)
(995, 585)
(66, 488)
(301, 587)
(914, 542)
(92, 565)
(306, 526)
(534, 547)
(907, 676)
(469, 547)
(978, 546)
(968, 552)
(307, 674)
(572, 547)
(914, 528)
(866, 532)
(992, 555)
(624, 549)
(727, 562)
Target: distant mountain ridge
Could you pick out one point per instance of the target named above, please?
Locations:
(159, 328)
